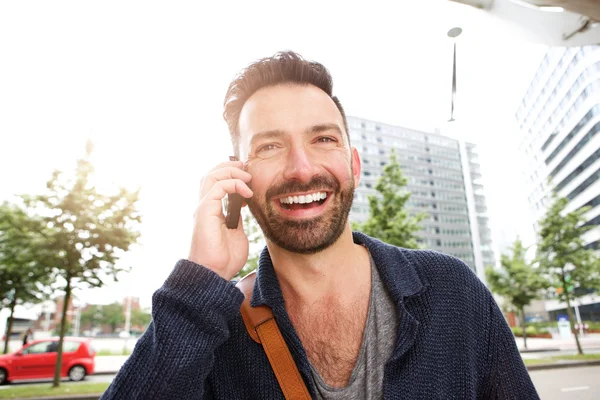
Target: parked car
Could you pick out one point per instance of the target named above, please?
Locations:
(37, 360)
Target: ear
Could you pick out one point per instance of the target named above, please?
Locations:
(356, 166)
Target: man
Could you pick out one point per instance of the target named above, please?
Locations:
(27, 337)
(362, 319)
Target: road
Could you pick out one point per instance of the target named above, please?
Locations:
(579, 383)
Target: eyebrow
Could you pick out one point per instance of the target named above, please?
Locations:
(323, 128)
(278, 132)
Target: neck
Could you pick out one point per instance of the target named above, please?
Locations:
(335, 272)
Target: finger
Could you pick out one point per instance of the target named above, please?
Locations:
(211, 203)
(222, 174)
(229, 186)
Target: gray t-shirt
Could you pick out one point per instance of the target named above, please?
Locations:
(379, 338)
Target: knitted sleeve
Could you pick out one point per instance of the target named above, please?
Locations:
(507, 375)
(173, 358)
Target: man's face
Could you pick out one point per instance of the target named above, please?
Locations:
(303, 170)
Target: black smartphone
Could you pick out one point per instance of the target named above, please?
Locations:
(234, 206)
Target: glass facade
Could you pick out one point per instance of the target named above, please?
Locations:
(560, 120)
(434, 169)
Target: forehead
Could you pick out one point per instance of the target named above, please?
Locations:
(288, 108)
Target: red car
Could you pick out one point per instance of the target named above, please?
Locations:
(37, 360)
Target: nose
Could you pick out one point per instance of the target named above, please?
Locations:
(300, 166)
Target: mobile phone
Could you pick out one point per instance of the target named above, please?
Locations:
(234, 207)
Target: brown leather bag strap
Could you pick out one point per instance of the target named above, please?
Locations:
(262, 327)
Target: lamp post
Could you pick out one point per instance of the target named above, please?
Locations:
(453, 34)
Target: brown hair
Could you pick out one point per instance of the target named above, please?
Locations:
(283, 67)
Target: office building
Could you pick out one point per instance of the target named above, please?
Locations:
(559, 119)
(444, 179)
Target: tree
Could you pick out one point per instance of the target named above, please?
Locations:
(24, 273)
(256, 240)
(113, 315)
(572, 268)
(91, 316)
(518, 282)
(140, 318)
(389, 219)
(88, 232)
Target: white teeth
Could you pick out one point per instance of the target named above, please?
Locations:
(303, 199)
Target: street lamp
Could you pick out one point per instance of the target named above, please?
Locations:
(453, 34)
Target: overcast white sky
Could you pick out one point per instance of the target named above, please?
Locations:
(146, 80)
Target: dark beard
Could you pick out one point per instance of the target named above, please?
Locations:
(312, 235)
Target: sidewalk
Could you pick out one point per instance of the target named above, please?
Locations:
(108, 365)
(591, 341)
(111, 364)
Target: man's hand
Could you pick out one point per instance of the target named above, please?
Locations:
(223, 250)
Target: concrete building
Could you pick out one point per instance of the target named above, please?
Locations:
(444, 179)
(559, 119)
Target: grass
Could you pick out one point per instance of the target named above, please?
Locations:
(37, 391)
(113, 353)
(550, 360)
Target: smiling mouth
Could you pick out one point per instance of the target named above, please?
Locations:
(303, 202)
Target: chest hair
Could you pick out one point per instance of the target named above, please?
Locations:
(332, 335)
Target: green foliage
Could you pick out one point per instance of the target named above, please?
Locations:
(389, 219)
(87, 231)
(113, 315)
(44, 390)
(572, 269)
(24, 269)
(593, 325)
(530, 330)
(562, 254)
(544, 325)
(518, 282)
(140, 317)
(561, 359)
(257, 242)
(92, 316)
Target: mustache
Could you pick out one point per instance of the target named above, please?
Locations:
(317, 183)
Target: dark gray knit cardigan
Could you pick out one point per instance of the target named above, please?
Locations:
(452, 340)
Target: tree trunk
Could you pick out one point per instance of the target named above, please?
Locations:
(571, 319)
(63, 326)
(9, 322)
(523, 326)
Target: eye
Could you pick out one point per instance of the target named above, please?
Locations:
(325, 139)
(266, 147)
